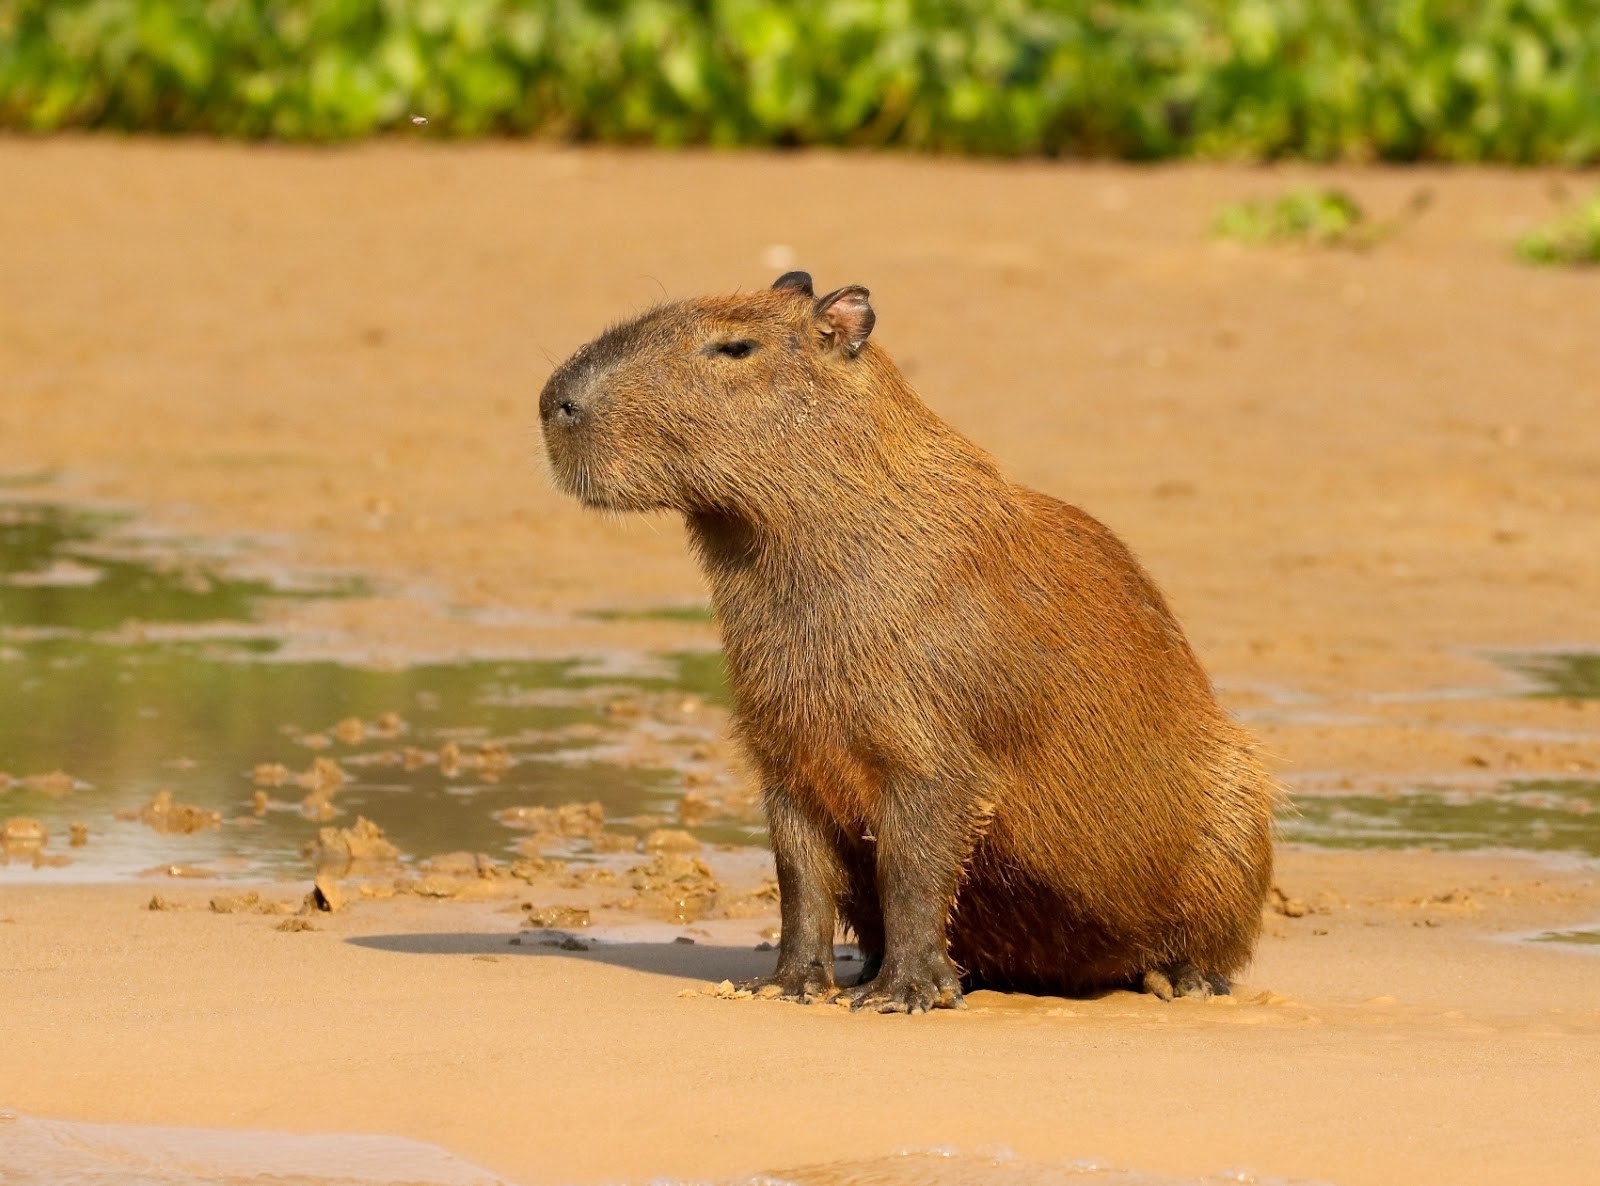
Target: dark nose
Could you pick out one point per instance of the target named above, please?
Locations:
(562, 403)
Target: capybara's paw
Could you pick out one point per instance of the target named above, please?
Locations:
(915, 990)
(1183, 980)
(804, 984)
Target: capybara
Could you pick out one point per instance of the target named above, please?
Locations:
(983, 740)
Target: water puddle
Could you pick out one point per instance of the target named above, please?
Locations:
(126, 672)
(1535, 815)
(68, 571)
(1585, 937)
(1570, 675)
(696, 614)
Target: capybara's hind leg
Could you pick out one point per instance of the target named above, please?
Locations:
(1182, 980)
(862, 912)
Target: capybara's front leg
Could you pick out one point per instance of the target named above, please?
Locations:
(810, 879)
(922, 847)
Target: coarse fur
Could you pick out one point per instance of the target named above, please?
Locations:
(983, 739)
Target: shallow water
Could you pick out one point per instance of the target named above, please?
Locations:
(136, 664)
(1532, 815)
(192, 699)
(1573, 675)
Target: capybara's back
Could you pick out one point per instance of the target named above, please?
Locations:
(982, 735)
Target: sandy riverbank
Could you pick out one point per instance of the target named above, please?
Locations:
(1382, 1037)
(1355, 473)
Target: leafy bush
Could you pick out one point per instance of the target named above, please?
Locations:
(1506, 80)
(1321, 216)
(1572, 238)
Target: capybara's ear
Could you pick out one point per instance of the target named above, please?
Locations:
(799, 281)
(846, 318)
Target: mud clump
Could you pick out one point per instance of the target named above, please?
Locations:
(296, 924)
(326, 895)
(362, 845)
(557, 918)
(77, 834)
(464, 876)
(168, 816)
(24, 832)
(536, 869)
(566, 819)
(321, 780)
(1281, 903)
(24, 838)
(270, 774)
(555, 827)
(670, 840)
(673, 887)
(235, 903)
(57, 784)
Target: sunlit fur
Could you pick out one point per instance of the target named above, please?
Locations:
(905, 626)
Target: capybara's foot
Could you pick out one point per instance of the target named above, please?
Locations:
(920, 988)
(802, 983)
(1183, 980)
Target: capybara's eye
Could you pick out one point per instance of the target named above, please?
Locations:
(740, 349)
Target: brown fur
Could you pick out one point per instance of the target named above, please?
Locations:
(976, 720)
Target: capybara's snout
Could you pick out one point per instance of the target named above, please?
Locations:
(565, 399)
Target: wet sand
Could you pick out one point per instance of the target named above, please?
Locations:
(1381, 1037)
(1356, 474)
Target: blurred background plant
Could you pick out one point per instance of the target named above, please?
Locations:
(1571, 238)
(1463, 80)
(1321, 216)
(1316, 216)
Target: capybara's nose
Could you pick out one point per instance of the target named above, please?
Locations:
(562, 404)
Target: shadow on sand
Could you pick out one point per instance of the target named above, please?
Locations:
(688, 961)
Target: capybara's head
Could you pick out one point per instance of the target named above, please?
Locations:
(707, 406)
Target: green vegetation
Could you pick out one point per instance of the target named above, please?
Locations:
(1572, 238)
(1572, 675)
(666, 613)
(1319, 216)
(1503, 80)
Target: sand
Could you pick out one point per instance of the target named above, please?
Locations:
(1357, 474)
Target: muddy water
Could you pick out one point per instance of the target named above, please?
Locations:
(1571, 674)
(1555, 816)
(1535, 815)
(130, 666)
(127, 670)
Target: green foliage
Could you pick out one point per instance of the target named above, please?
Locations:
(1572, 238)
(1506, 80)
(1321, 216)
